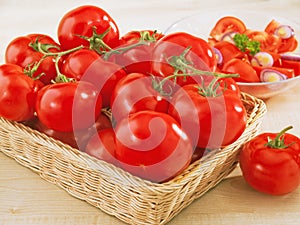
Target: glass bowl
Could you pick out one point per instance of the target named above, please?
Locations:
(201, 24)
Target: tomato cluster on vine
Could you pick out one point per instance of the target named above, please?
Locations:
(166, 102)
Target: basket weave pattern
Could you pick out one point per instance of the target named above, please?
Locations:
(114, 191)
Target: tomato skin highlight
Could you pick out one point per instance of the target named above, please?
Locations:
(152, 145)
(68, 106)
(80, 22)
(269, 170)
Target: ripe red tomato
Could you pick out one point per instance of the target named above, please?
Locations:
(225, 25)
(152, 145)
(135, 52)
(270, 162)
(243, 68)
(68, 106)
(134, 93)
(17, 93)
(80, 22)
(77, 63)
(178, 52)
(102, 146)
(212, 120)
(20, 52)
(104, 75)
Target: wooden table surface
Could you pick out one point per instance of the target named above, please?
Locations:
(25, 198)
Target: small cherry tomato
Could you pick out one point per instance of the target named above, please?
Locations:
(270, 162)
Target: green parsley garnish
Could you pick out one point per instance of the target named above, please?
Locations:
(245, 45)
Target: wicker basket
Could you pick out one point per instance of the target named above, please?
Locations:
(116, 192)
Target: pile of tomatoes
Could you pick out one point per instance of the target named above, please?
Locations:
(257, 55)
(167, 101)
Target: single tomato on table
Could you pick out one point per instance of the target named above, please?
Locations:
(270, 162)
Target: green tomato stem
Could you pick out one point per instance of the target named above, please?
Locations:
(278, 142)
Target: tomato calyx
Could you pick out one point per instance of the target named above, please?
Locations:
(96, 41)
(213, 88)
(145, 39)
(37, 46)
(278, 141)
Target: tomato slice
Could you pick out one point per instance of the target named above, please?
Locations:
(272, 26)
(244, 69)
(289, 64)
(228, 51)
(227, 24)
(286, 45)
(268, 42)
(286, 71)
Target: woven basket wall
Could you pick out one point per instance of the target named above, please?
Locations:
(132, 200)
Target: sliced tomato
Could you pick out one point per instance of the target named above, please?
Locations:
(243, 68)
(268, 42)
(288, 72)
(227, 24)
(272, 26)
(228, 51)
(287, 45)
(289, 64)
